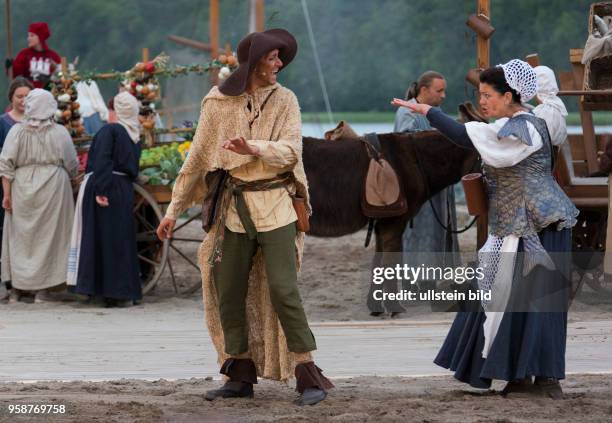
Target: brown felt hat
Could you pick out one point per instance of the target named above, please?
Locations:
(251, 49)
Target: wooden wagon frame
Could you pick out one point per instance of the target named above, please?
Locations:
(577, 168)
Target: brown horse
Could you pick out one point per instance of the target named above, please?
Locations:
(426, 162)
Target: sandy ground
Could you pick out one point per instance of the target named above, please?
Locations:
(334, 279)
(361, 399)
(332, 291)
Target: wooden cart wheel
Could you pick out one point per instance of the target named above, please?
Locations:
(186, 236)
(155, 255)
(152, 252)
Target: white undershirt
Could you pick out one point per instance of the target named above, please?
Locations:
(501, 152)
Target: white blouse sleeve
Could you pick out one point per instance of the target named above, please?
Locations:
(501, 152)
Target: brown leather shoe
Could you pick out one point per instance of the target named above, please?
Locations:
(549, 387)
(311, 384)
(518, 386)
(242, 374)
(231, 390)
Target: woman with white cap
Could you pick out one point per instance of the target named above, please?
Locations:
(103, 255)
(92, 106)
(37, 163)
(550, 107)
(520, 332)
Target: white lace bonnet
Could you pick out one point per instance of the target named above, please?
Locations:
(521, 77)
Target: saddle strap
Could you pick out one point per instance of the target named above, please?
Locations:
(373, 146)
(370, 229)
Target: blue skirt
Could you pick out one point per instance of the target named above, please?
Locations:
(526, 344)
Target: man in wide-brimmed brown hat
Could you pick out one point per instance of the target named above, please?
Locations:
(250, 126)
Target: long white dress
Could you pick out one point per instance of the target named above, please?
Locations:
(36, 238)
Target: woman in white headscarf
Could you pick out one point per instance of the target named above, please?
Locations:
(93, 109)
(550, 107)
(519, 334)
(37, 162)
(103, 256)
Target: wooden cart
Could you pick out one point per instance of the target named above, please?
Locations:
(155, 255)
(575, 169)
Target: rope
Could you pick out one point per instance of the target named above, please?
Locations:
(448, 228)
(317, 62)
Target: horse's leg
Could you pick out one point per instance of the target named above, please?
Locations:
(376, 307)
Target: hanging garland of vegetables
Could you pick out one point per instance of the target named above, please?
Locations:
(160, 164)
(64, 90)
(141, 81)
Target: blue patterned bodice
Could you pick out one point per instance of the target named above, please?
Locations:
(525, 198)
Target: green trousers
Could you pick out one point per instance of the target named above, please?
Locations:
(231, 276)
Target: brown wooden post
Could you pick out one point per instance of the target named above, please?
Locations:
(145, 55)
(483, 61)
(259, 15)
(189, 43)
(9, 36)
(482, 44)
(214, 37)
(586, 116)
(64, 67)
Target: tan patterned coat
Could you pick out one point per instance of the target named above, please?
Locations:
(223, 117)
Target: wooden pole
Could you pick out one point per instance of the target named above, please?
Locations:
(259, 15)
(584, 92)
(145, 55)
(256, 15)
(482, 45)
(189, 43)
(9, 35)
(483, 61)
(214, 36)
(64, 67)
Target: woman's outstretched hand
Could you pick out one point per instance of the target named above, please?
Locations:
(415, 107)
(240, 146)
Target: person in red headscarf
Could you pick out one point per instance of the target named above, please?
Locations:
(37, 61)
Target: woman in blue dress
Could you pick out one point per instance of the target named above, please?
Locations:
(514, 337)
(17, 92)
(103, 255)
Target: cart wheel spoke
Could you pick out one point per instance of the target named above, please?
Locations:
(144, 221)
(138, 203)
(185, 239)
(148, 236)
(187, 259)
(148, 248)
(148, 260)
(185, 223)
(172, 277)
